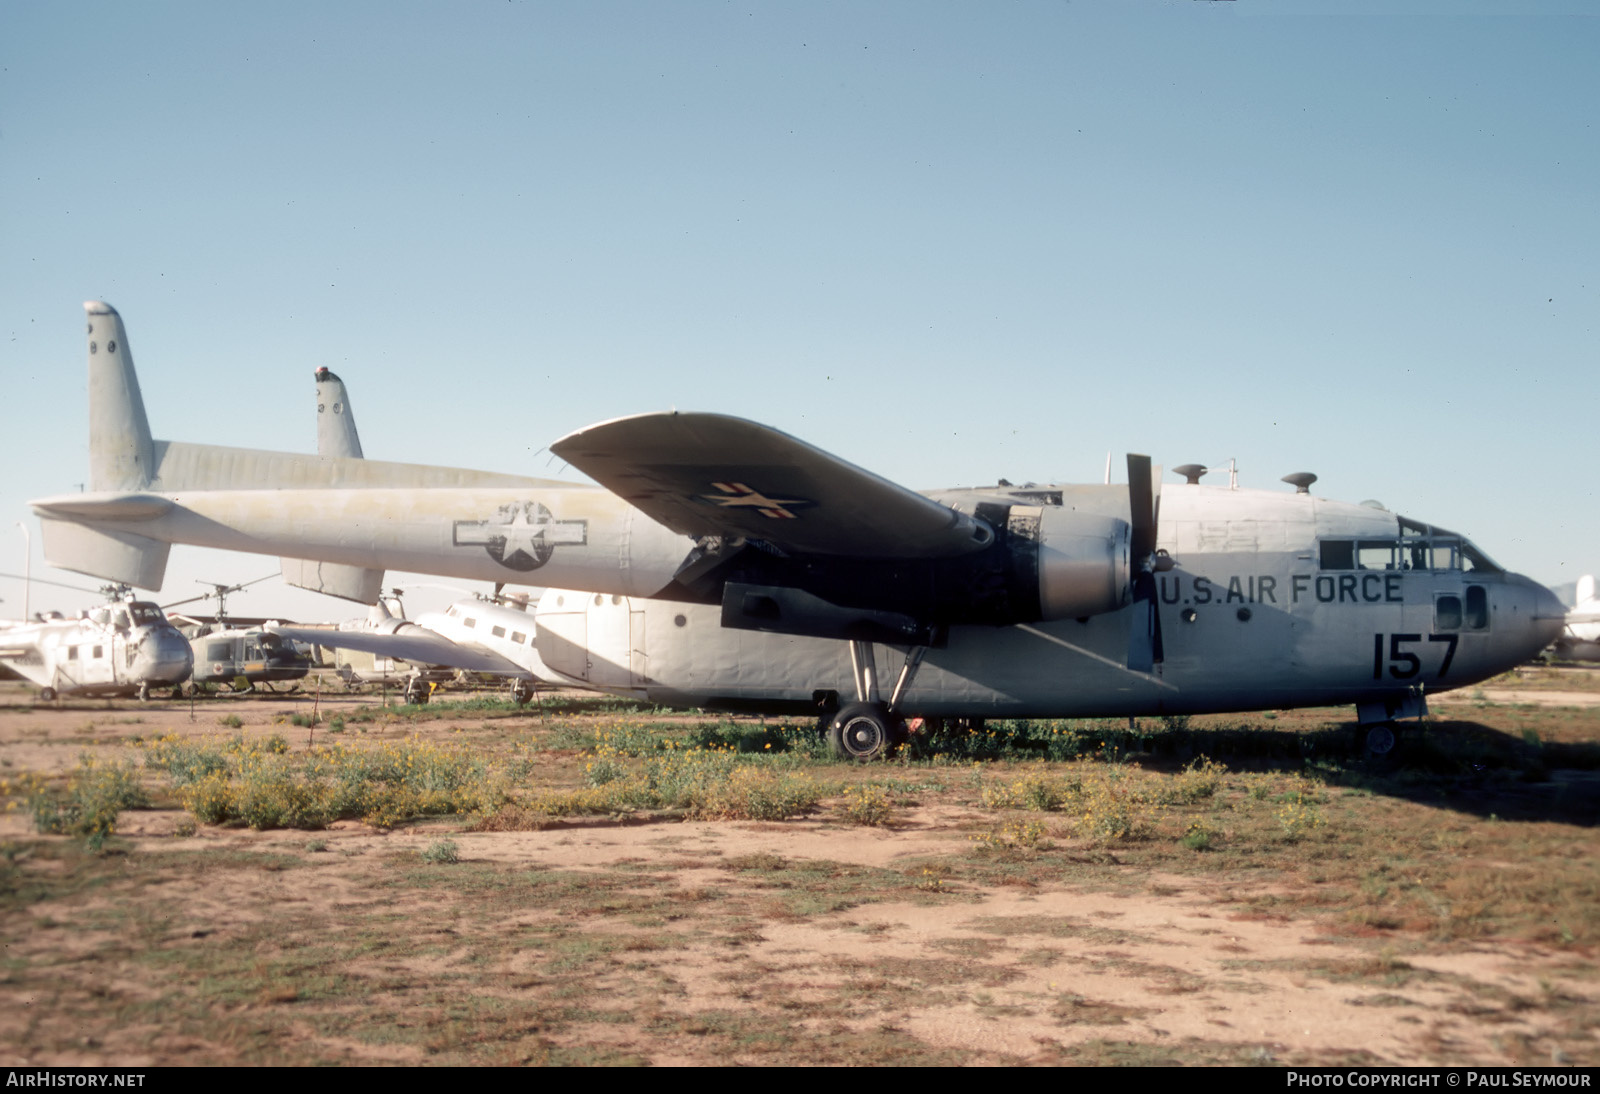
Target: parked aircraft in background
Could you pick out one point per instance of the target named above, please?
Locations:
(1580, 640)
(471, 634)
(1055, 600)
(126, 647)
(238, 657)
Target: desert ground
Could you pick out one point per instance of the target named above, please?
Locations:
(1221, 890)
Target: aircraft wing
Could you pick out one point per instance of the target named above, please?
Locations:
(416, 644)
(713, 475)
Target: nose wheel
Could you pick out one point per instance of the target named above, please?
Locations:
(1379, 741)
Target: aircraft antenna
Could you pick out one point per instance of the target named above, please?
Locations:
(1108, 467)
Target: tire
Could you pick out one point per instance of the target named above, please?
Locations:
(521, 692)
(47, 695)
(862, 732)
(1378, 742)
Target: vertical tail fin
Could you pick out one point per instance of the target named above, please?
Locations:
(121, 453)
(336, 425)
(336, 436)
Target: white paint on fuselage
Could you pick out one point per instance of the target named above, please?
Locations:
(1250, 621)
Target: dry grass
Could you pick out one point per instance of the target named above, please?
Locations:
(235, 947)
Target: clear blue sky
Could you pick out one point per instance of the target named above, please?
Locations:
(949, 242)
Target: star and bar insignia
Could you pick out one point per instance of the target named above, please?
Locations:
(736, 495)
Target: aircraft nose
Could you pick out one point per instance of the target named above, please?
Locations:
(1550, 614)
(1546, 614)
(165, 657)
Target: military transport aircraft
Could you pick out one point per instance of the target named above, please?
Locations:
(1060, 600)
(126, 647)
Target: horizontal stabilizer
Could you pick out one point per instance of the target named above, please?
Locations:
(335, 579)
(104, 506)
(111, 556)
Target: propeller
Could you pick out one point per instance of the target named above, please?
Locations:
(1144, 634)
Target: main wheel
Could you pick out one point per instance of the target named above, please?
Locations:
(1378, 742)
(47, 695)
(862, 731)
(521, 691)
(144, 693)
(417, 693)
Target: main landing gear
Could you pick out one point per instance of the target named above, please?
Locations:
(869, 729)
(1378, 741)
(417, 691)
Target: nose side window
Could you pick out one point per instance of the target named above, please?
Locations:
(1477, 608)
(1338, 554)
(1447, 613)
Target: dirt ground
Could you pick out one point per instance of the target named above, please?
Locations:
(183, 950)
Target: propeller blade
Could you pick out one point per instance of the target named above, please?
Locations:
(1144, 626)
(1145, 649)
(1141, 508)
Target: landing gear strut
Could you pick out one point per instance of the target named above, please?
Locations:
(869, 729)
(417, 691)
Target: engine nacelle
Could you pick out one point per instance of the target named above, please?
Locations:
(1083, 559)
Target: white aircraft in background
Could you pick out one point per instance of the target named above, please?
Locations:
(470, 634)
(123, 648)
(1580, 641)
(772, 573)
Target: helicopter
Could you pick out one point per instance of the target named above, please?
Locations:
(240, 657)
(124, 647)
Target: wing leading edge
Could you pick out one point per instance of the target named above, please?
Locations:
(715, 475)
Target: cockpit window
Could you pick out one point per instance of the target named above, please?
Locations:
(1338, 554)
(145, 614)
(1417, 547)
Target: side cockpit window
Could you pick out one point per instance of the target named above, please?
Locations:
(1451, 614)
(1338, 554)
(1477, 608)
